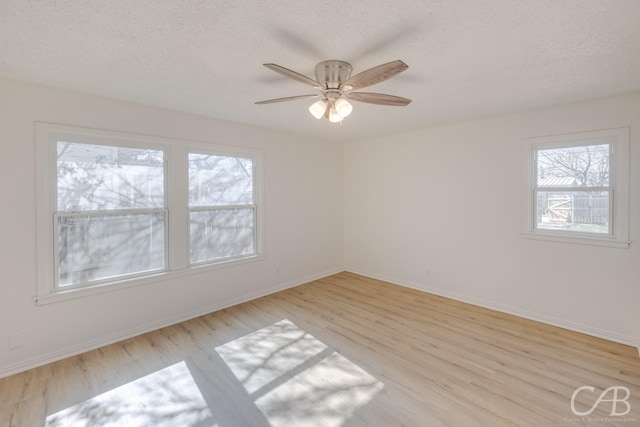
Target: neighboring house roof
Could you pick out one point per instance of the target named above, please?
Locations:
(567, 181)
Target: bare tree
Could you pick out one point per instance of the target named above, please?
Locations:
(588, 164)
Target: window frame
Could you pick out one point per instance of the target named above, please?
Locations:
(618, 188)
(175, 153)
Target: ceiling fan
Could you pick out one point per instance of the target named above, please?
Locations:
(336, 86)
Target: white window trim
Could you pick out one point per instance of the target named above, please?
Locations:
(619, 167)
(176, 152)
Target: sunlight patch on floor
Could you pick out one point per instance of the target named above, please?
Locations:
(295, 379)
(166, 398)
(263, 356)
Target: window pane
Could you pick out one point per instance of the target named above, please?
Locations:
(221, 233)
(93, 248)
(579, 211)
(583, 166)
(219, 181)
(98, 177)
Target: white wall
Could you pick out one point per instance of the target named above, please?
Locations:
(439, 209)
(442, 210)
(303, 225)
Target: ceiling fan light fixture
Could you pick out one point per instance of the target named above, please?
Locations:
(318, 108)
(334, 115)
(343, 107)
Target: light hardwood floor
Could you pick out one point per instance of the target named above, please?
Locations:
(344, 350)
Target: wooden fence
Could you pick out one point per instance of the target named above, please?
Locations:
(582, 208)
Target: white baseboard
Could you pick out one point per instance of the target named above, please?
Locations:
(149, 327)
(553, 321)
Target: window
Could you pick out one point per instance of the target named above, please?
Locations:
(221, 207)
(578, 187)
(112, 209)
(110, 213)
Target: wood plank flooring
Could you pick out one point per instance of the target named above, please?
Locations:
(341, 351)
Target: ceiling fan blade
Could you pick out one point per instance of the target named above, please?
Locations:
(375, 75)
(289, 98)
(293, 75)
(378, 98)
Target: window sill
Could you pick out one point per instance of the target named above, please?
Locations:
(578, 240)
(65, 295)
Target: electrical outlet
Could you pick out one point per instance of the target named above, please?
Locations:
(16, 340)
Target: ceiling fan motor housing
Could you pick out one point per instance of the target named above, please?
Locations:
(330, 74)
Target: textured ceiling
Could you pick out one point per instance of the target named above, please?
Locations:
(467, 58)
